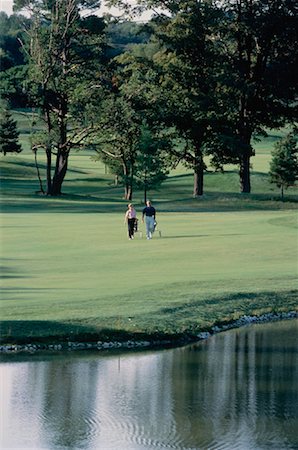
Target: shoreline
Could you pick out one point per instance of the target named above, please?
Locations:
(131, 344)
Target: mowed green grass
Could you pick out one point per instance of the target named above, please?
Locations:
(81, 271)
(68, 269)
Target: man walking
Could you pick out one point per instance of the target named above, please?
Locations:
(149, 213)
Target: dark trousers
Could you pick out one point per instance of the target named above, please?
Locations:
(131, 225)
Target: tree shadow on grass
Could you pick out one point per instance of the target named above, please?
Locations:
(251, 300)
(19, 196)
(19, 165)
(7, 272)
(185, 236)
(169, 326)
(180, 176)
(46, 331)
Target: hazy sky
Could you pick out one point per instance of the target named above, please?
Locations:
(6, 5)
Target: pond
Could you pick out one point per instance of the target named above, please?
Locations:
(236, 390)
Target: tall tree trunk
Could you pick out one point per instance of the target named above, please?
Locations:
(49, 169)
(198, 186)
(244, 173)
(63, 152)
(60, 172)
(244, 160)
(245, 153)
(38, 172)
(128, 193)
(48, 148)
(127, 178)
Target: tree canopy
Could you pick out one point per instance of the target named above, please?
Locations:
(67, 76)
(207, 75)
(284, 163)
(233, 68)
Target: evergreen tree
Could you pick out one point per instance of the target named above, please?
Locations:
(9, 134)
(284, 163)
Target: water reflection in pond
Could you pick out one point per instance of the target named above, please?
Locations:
(237, 390)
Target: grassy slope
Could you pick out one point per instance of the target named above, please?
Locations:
(69, 270)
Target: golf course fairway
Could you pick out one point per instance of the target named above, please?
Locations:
(69, 274)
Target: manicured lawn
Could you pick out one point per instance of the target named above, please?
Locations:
(81, 271)
(68, 269)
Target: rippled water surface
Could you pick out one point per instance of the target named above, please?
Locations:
(237, 390)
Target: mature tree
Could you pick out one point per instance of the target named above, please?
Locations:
(9, 134)
(284, 163)
(187, 87)
(118, 137)
(260, 41)
(184, 78)
(134, 151)
(152, 163)
(256, 78)
(67, 78)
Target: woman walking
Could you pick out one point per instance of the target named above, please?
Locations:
(130, 219)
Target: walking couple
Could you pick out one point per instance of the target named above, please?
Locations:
(149, 214)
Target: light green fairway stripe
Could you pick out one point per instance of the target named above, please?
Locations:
(82, 265)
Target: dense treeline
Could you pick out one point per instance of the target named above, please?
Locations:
(200, 78)
(13, 59)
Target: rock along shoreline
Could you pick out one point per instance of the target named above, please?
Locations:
(140, 344)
